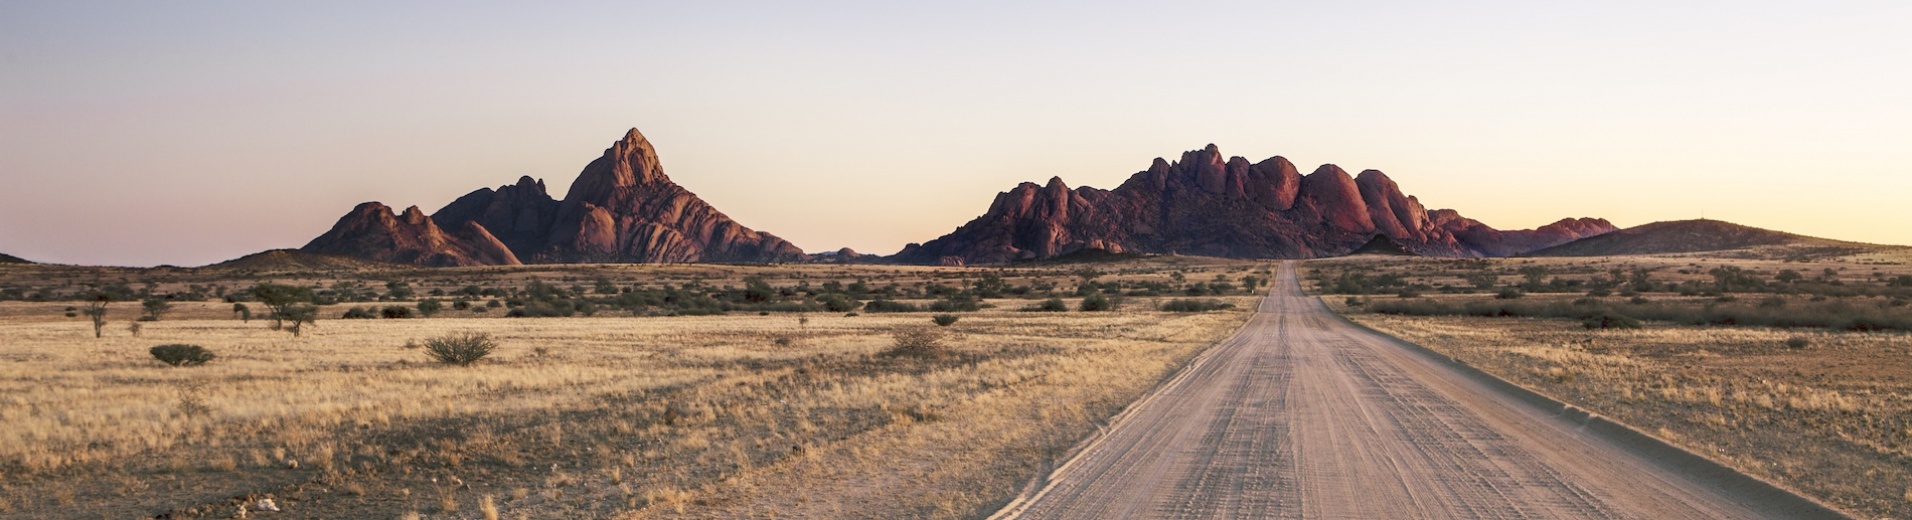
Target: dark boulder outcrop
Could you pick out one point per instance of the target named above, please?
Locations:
(1381, 245)
(1204, 204)
(520, 215)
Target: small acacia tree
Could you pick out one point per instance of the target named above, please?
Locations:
(297, 317)
(279, 299)
(155, 308)
(96, 310)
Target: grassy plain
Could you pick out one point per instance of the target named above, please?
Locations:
(1826, 412)
(734, 415)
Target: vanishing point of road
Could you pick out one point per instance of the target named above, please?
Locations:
(1303, 415)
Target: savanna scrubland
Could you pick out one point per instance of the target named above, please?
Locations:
(612, 391)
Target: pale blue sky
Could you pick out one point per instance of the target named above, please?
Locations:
(186, 133)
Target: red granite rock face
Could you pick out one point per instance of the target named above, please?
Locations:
(622, 208)
(1206, 205)
(373, 232)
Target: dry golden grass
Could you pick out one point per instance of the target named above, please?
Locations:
(691, 416)
(1832, 419)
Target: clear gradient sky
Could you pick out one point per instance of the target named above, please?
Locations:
(185, 133)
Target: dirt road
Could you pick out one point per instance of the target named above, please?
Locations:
(1303, 415)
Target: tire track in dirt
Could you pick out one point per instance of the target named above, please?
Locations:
(1303, 415)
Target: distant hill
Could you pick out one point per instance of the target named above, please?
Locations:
(1685, 236)
(293, 259)
(10, 259)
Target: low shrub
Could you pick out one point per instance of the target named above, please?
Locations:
(1181, 305)
(182, 355)
(956, 304)
(1097, 302)
(839, 303)
(1798, 342)
(1832, 315)
(1509, 293)
(944, 320)
(1608, 320)
(460, 348)
(889, 306)
(358, 313)
(1049, 305)
(395, 312)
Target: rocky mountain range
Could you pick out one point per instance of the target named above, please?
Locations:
(1205, 204)
(621, 208)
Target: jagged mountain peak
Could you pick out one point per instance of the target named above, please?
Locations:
(621, 208)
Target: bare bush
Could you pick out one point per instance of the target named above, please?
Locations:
(917, 342)
(460, 348)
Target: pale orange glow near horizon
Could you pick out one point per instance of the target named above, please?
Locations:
(143, 134)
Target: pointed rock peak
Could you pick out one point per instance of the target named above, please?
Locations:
(629, 162)
(634, 137)
(1159, 166)
(1212, 149)
(528, 182)
(1055, 183)
(1237, 162)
